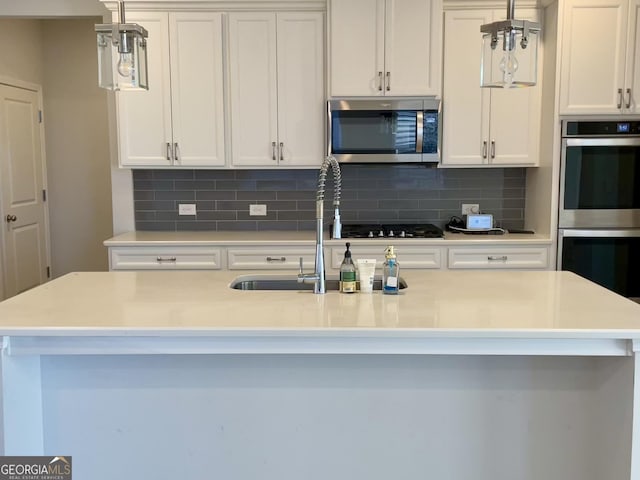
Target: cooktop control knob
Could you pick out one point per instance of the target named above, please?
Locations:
(381, 233)
(403, 234)
(391, 233)
(370, 234)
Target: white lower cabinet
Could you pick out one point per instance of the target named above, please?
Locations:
(270, 258)
(409, 256)
(165, 258)
(287, 257)
(506, 257)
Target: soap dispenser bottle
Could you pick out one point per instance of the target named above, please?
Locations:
(390, 272)
(347, 273)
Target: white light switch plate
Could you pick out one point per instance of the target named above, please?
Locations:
(257, 210)
(186, 209)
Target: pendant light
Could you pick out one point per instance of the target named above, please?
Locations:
(122, 54)
(515, 64)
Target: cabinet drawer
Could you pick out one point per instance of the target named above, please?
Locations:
(408, 256)
(165, 258)
(499, 257)
(272, 258)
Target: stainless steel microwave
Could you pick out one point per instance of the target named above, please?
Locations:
(384, 130)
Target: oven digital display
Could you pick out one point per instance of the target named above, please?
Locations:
(623, 127)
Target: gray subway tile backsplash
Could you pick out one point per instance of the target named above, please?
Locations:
(371, 193)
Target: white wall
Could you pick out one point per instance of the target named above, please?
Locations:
(77, 146)
(21, 46)
(51, 8)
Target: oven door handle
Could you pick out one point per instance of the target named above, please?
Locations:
(419, 131)
(603, 142)
(599, 233)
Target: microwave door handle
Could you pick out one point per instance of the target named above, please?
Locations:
(419, 131)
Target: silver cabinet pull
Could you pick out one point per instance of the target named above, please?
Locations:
(619, 98)
(496, 258)
(388, 81)
(11, 218)
(176, 152)
(379, 81)
(276, 259)
(169, 152)
(281, 151)
(628, 105)
(165, 259)
(273, 151)
(493, 149)
(484, 149)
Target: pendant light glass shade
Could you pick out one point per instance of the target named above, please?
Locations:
(509, 52)
(122, 55)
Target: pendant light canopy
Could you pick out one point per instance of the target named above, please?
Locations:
(122, 55)
(515, 64)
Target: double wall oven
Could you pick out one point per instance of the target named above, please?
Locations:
(599, 207)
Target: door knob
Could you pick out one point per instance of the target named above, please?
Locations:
(11, 218)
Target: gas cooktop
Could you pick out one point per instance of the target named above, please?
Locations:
(396, 230)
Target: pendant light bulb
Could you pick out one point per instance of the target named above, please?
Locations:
(125, 64)
(508, 66)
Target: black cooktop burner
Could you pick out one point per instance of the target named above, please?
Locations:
(398, 230)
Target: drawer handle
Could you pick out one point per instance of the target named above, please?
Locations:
(494, 258)
(276, 259)
(167, 259)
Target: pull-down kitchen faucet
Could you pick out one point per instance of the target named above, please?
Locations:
(318, 277)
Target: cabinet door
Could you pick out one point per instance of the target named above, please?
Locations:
(301, 107)
(413, 47)
(196, 87)
(252, 88)
(144, 118)
(465, 105)
(633, 60)
(593, 64)
(514, 121)
(356, 56)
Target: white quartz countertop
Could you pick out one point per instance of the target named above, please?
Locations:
(499, 304)
(143, 238)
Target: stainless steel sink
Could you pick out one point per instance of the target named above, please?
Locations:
(273, 282)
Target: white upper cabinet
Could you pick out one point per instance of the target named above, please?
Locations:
(385, 47)
(484, 126)
(600, 46)
(276, 88)
(179, 121)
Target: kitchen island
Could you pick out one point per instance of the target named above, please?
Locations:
(465, 375)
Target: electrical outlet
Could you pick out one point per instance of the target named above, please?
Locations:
(468, 208)
(186, 209)
(257, 210)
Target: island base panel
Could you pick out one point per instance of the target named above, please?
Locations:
(372, 417)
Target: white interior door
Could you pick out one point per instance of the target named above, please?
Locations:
(24, 228)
